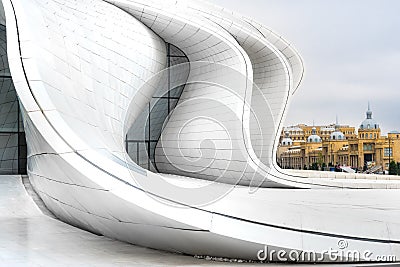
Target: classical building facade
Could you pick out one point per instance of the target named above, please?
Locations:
(366, 149)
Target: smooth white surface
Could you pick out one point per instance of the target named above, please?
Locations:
(29, 238)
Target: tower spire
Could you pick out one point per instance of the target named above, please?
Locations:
(369, 112)
(337, 120)
(337, 124)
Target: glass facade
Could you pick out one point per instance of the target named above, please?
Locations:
(143, 136)
(12, 136)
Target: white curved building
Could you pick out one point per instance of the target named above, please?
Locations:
(157, 123)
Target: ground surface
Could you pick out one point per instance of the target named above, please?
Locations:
(30, 236)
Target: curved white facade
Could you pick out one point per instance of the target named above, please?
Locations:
(85, 70)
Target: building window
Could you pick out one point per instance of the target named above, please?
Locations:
(367, 147)
(388, 152)
(13, 150)
(142, 138)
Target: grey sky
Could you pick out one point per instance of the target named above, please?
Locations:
(351, 50)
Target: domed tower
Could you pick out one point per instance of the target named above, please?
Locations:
(337, 134)
(369, 128)
(314, 138)
(369, 122)
(287, 141)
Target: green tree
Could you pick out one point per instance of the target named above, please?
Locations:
(314, 166)
(320, 161)
(393, 169)
(323, 166)
(398, 168)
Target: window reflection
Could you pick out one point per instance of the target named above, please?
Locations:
(12, 136)
(142, 138)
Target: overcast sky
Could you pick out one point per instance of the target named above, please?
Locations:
(351, 50)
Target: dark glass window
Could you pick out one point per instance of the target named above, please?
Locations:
(144, 134)
(12, 136)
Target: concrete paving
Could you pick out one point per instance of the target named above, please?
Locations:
(30, 236)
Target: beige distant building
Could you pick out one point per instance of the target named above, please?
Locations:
(305, 146)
